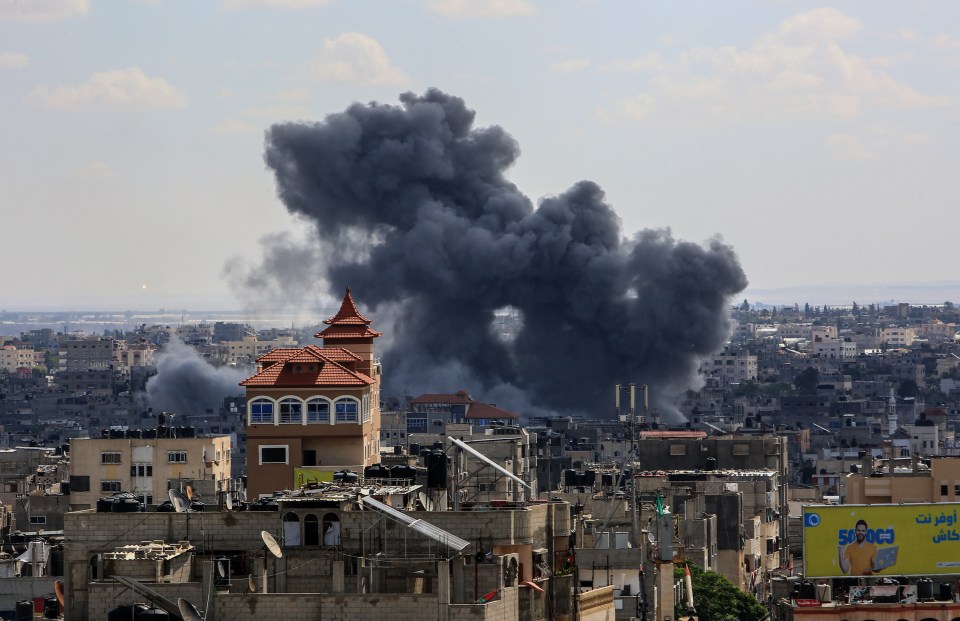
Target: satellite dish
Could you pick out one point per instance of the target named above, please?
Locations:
(251, 584)
(190, 492)
(221, 570)
(188, 611)
(180, 503)
(228, 501)
(651, 538)
(271, 544)
(58, 591)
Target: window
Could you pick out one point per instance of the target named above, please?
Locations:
(346, 411)
(38, 519)
(416, 424)
(273, 454)
(109, 458)
(109, 486)
(318, 411)
(943, 489)
(176, 457)
(261, 411)
(291, 411)
(141, 470)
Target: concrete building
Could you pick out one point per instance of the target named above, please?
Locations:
(905, 482)
(834, 349)
(88, 354)
(731, 366)
(315, 409)
(148, 468)
(13, 358)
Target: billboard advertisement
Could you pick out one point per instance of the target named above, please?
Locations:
(886, 540)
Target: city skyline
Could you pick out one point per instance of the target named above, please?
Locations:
(809, 137)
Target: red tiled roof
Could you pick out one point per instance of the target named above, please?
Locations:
(488, 411)
(461, 397)
(348, 323)
(348, 313)
(330, 372)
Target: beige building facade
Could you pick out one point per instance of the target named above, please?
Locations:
(147, 467)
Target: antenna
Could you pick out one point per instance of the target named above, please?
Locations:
(188, 611)
(180, 503)
(271, 544)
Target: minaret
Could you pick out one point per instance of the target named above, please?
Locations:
(892, 413)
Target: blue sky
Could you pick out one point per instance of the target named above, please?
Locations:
(818, 140)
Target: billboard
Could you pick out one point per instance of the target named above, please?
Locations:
(886, 540)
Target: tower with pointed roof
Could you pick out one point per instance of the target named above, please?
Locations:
(314, 410)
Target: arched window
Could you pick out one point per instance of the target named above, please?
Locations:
(291, 410)
(291, 530)
(261, 411)
(311, 530)
(331, 529)
(318, 410)
(346, 408)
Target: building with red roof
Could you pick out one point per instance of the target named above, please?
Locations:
(314, 410)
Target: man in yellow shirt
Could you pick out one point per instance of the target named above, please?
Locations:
(857, 557)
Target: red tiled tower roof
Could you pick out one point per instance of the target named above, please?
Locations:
(348, 323)
(333, 369)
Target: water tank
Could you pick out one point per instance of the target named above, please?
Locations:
(606, 480)
(126, 613)
(824, 593)
(437, 470)
(51, 608)
(24, 610)
(104, 433)
(569, 478)
(398, 450)
(711, 464)
(104, 505)
(589, 477)
(808, 590)
(924, 589)
(581, 480)
(150, 614)
(946, 592)
(438, 446)
(197, 506)
(406, 473)
(414, 448)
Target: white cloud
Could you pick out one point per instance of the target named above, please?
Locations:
(235, 126)
(570, 66)
(354, 58)
(232, 5)
(803, 69)
(481, 8)
(824, 23)
(13, 60)
(849, 147)
(121, 87)
(945, 43)
(42, 10)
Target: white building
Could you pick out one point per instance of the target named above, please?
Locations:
(838, 349)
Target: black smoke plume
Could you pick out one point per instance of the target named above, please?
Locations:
(188, 385)
(410, 208)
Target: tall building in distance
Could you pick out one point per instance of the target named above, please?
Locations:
(314, 410)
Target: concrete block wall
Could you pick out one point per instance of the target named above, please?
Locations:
(312, 606)
(105, 596)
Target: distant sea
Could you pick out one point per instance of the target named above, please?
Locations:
(864, 294)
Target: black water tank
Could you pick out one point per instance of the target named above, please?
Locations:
(397, 450)
(414, 448)
(24, 610)
(581, 479)
(946, 592)
(606, 480)
(590, 477)
(151, 614)
(437, 470)
(438, 446)
(808, 590)
(104, 505)
(126, 613)
(711, 464)
(406, 473)
(925, 589)
(371, 472)
(51, 608)
(569, 478)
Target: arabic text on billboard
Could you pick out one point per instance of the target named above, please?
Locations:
(890, 540)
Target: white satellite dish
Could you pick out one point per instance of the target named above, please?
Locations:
(221, 569)
(271, 544)
(188, 611)
(180, 503)
(425, 501)
(251, 584)
(228, 501)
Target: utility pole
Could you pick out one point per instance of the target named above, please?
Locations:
(630, 421)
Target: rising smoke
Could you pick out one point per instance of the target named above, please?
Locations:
(187, 385)
(409, 207)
